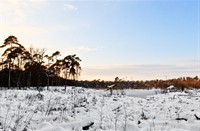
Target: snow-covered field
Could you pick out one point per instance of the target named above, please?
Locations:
(80, 109)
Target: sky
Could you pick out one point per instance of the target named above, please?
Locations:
(131, 39)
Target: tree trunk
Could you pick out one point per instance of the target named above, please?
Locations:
(47, 82)
(52, 81)
(65, 85)
(29, 80)
(9, 76)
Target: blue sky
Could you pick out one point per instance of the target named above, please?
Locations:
(133, 39)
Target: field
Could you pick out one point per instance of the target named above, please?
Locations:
(78, 109)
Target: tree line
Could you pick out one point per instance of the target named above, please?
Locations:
(21, 67)
(179, 83)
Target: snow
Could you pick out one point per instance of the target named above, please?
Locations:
(79, 108)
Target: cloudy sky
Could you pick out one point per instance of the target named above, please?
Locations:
(132, 39)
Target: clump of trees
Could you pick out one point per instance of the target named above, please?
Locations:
(21, 67)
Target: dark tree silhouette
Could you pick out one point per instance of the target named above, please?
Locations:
(74, 66)
(22, 67)
(12, 52)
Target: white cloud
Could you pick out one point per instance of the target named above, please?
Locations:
(187, 62)
(69, 7)
(138, 72)
(85, 49)
(80, 49)
(18, 11)
(15, 16)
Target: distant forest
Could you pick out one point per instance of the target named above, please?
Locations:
(179, 83)
(24, 68)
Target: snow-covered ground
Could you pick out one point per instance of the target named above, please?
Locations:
(80, 109)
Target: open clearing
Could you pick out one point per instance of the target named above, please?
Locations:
(80, 109)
